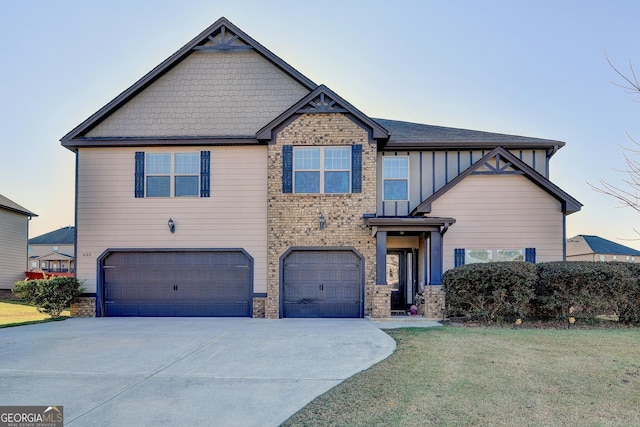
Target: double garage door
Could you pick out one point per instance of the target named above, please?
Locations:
(177, 283)
(322, 283)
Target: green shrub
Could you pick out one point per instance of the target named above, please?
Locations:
(499, 291)
(49, 295)
(586, 289)
(624, 298)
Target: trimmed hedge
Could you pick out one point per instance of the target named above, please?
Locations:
(500, 291)
(504, 291)
(50, 295)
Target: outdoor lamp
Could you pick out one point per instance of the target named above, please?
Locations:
(172, 225)
(322, 223)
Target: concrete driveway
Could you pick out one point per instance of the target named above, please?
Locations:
(183, 371)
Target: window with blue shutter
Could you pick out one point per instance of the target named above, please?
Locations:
(356, 169)
(458, 257)
(530, 255)
(139, 176)
(205, 175)
(287, 168)
(172, 175)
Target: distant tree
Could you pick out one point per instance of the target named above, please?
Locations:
(629, 194)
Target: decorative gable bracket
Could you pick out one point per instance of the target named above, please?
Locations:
(497, 166)
(223, 42)
(322, 104)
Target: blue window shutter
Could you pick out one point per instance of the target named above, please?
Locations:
(205, 173)
(287, 168)
(459, 257)
(139, 179)
(530, 255)
(356, 169)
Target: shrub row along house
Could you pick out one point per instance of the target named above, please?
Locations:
(226, 183)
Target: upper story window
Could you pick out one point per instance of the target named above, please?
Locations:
(322, 170)
(172, 174)
(395, 175)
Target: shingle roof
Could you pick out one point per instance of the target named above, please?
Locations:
(406, 135)
(13, 206)
(63, 236)
(604, 246)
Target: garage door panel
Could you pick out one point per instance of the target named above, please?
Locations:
(184, 283)
(322, 283)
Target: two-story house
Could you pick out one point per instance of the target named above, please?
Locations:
(226, 183)
(53, 252)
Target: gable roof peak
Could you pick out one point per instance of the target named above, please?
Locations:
(214, 37)
(323, 100)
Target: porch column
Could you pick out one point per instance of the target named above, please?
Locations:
(436, 259)
(381, 258)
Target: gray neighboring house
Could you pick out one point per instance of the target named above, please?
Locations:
(584, 247)
(53, 251)
(14, 234)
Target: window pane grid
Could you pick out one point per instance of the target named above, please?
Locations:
(164, 179)
(322, 170)
(395, 173)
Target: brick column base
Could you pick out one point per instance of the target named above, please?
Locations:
(381, 302)
(84, 307)
(434, 302)
(259, 307)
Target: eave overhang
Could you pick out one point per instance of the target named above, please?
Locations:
(184, 141)
(415, 224)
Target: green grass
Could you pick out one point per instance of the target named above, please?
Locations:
(457, 376)
(16, 313)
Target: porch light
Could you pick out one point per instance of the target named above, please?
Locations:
(322, 223)
(172, 225)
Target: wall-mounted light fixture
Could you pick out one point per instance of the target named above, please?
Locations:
(322, 223)
(172, 225)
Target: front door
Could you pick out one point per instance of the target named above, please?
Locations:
(400, 279)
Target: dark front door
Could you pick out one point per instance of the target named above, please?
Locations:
(400, 279)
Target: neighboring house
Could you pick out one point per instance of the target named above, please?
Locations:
(53, 252)
(226, 183)
(593, 248)
(14, 233)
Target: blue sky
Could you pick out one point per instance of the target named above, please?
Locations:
(534, 68)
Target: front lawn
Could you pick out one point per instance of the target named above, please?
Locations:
(13, 313)
(457, 376)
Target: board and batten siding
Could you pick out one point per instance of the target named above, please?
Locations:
(14, 229)
(431, 170)
(109, 216)
(230, 93)
(501, 212)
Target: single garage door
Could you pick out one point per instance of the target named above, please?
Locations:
(179, 283)
(322, 283)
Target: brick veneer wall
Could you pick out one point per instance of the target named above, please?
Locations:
(84, 307)
(258, 307)
(293, 219)
(434, 302)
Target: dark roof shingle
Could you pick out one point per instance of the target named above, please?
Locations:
(63, 236)
(406, 135)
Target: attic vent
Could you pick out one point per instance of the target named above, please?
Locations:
(221, 41)
(322, 104)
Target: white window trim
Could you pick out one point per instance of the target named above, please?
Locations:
(322, 169)
(397, 179)
(172, 174)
